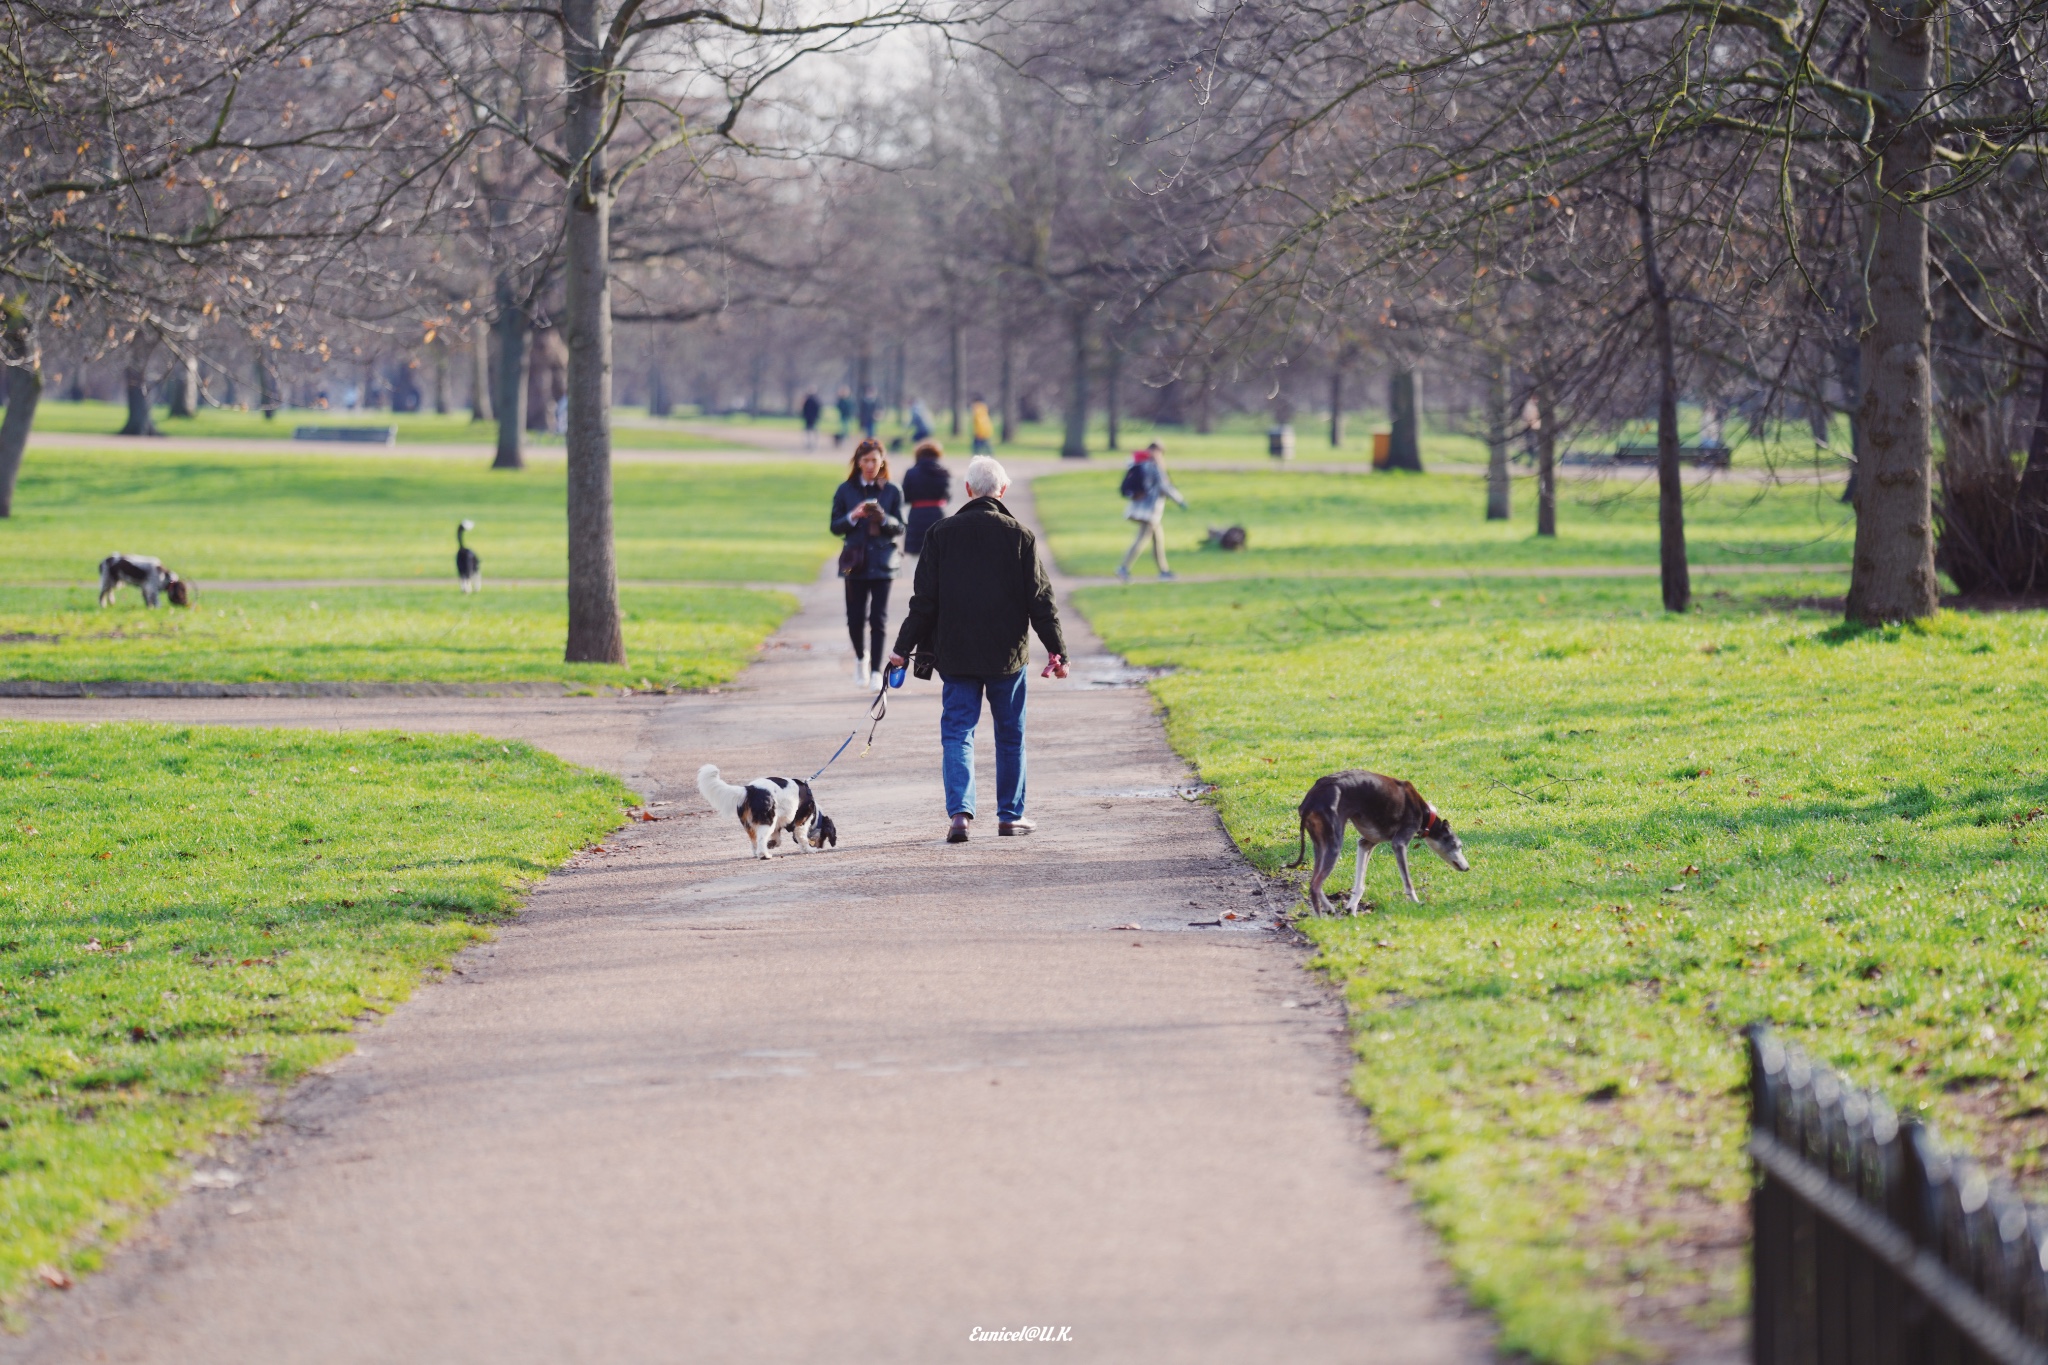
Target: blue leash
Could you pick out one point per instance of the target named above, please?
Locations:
(878, 710)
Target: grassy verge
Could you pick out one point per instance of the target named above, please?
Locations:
(1303, 523)
(95, 417)
(1677, 826)
(321, 516)
(675, 637)
(182, 908)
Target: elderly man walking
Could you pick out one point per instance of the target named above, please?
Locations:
(979, 585)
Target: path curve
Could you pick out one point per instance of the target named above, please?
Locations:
(842, 1108)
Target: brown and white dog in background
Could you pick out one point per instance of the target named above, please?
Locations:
(146, 573)
(1384, 810)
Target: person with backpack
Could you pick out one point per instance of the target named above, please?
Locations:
(1145, 489)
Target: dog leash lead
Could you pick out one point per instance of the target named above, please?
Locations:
(878, 711)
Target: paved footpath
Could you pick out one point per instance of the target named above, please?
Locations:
(839, 1108)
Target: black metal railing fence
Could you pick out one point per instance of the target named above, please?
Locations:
(1872, 1244)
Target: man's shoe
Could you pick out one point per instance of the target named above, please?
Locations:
(1123, 573)
(957, 834)
(1167, 575)
(1010, 827)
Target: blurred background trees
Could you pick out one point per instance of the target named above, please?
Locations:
(1559, 227)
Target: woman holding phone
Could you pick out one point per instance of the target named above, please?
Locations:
(868, 511)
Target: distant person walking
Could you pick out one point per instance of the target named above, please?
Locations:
(920, 421)
(813, 409)
(979, 586)
(844, 403)
(1146, 488)
(981, 427)
(929, 486)
(868, 511)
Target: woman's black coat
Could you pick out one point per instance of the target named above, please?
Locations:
(878, 540)
(925, 481)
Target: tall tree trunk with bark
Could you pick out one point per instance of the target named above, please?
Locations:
(185, 388)
(1112, 395)
(956, 355)
(1497, 507)
(1892, 575)
(1006, 390)
(595, 635)
(266, 388)
(1546, 463)
(2031, 514)
(1675, 572)
(441, 378)
(135, 379)
(510, 392)
(24, 391)
(1337, 403)
(479, 372)
(1075, 446)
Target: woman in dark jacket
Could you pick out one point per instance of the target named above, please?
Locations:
(868, 510)
(929, 486)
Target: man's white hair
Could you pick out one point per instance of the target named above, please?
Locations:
(986, 477)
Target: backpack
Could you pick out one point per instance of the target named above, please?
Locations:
(1134, 484)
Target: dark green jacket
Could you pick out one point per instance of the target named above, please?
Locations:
(979, 585)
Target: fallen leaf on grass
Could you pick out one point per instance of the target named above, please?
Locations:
(1675, 889)
(53, 1277)
(1689, 870)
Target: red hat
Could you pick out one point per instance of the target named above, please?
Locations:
(1141, 454)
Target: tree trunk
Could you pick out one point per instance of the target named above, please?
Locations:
(1546, 463)
(1404, 416)
(1892, 575)
(2031, 513)
(24, 391)
(511, 390)
(1337, 404)
(135, 378)
(1112, 395)
(479, 373)
(545, 378)
(1675, 571)
(266, 388)
(185, 389)
(658, 404)
(441, 378)
(1075, 446)
(1497, 440)
(1205, 403)
(1006, 390)
(956, 354)
(594, 629)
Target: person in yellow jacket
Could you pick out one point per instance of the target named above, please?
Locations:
(981, 428)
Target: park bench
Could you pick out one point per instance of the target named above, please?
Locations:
(369, 436)
(1704, 457)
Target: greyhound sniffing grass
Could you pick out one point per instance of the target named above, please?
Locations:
(1384, 810)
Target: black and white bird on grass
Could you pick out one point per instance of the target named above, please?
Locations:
(468, 567)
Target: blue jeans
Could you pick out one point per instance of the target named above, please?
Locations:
(960, 713)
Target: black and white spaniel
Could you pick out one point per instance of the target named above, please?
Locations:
(146, 573)
(766, 807)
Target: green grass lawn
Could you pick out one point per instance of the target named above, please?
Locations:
(1677, 826)
(183, 911)
(264, 517)
(1306, 523)
(370, 516)
(633, 432)
(675, 637)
